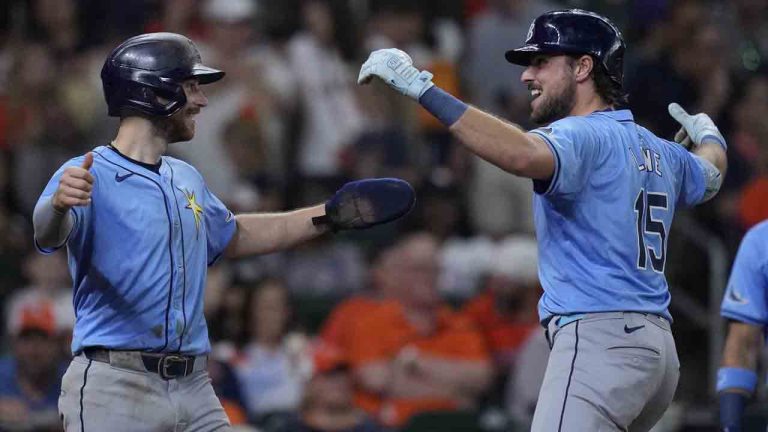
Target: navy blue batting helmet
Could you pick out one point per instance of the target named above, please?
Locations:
(149, 66)
(574, 31)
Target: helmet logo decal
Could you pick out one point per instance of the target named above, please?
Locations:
(530, 32)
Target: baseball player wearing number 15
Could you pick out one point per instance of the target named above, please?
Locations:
(141, 229)
(605, 193)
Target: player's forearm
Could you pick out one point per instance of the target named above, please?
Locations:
(390, 379)
(742, 346)
(415, 386)
(464, 376)
(260, 233)
(374, 377)
(52, 227)
(713, 152)
(503, 144)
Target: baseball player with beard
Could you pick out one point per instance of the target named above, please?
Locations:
(606, 190)
(141, 229)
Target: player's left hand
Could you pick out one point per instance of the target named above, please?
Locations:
(695, 128)
(395, 68)
(364, 203)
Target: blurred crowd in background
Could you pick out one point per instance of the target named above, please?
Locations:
(389, 327)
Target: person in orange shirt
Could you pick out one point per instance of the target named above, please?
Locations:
(334, 336)
(414, 354)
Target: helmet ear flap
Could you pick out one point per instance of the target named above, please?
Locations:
(148, 100)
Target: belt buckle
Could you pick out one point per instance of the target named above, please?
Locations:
(167, 362)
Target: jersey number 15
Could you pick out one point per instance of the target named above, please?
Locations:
(648, 226)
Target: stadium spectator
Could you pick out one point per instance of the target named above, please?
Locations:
(336, 336)
(274, 364)
(229, 25)
(328, 405)
(425, 356)
(48, 283)
(331, 119)
(30, 377)
(505, 311)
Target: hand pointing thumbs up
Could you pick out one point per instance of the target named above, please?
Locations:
(75, 186)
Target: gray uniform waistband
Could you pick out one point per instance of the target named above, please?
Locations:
(167, 365)
(562, 320)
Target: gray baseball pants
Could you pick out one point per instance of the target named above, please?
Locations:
(99, 397)
(613, 371)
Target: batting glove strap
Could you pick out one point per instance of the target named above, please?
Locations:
(717, 138)
(443, 105)
(736, 378)
(731, 411)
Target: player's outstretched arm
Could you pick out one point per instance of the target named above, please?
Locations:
(52, 220)
(500, 143)
(260, 233)
(504, 145)
(736, 379)
(357, 205)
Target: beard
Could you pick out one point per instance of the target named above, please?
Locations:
(176, 128)
(556, 106)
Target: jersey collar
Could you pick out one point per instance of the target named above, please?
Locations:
(618, 115)
(125, 163)
(152, 167)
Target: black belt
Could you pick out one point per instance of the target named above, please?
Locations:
(168, 366)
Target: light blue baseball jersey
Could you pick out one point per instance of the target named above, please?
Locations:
(603, 219)
(746, 298)
(138, 254)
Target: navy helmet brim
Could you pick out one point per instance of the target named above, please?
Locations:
(522, 56)
(206, 75)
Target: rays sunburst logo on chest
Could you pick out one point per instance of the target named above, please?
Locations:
(197, 210)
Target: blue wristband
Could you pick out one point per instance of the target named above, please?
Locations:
(716, 139)
(736, 378)
(731, 411)
(443, 105)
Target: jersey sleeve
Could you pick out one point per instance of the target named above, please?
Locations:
(745, 297)
(693, 171)
(575, 146)
(220, 226)
(79, 212)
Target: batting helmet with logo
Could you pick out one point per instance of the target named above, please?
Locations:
(574, 31)
(145, 74)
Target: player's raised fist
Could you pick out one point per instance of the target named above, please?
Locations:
(75, 186)
(395, 68)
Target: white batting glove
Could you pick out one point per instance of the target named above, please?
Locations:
(695, 128)
(395, 68)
